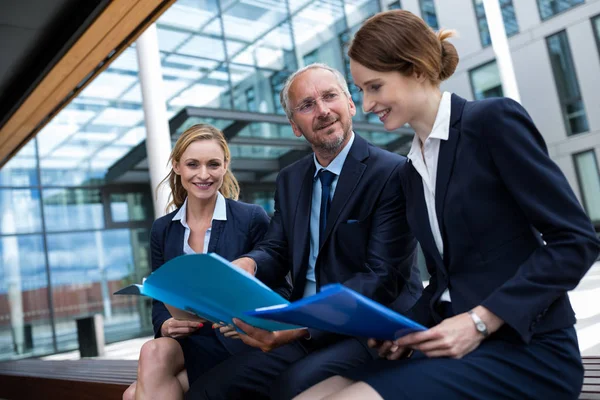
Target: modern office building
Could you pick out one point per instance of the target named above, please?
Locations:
(76, 203)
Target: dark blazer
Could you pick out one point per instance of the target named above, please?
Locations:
(367, 245)
(498, 198)
(245, 226)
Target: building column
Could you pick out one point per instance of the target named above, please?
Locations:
(158, 137)
(493, 14)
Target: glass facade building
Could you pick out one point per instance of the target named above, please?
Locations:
(76, 202)
(511, 26)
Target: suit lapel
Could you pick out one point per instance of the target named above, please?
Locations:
(174, 241)
(446, 160)
(302, 228)
(352, 171)
(425, 236)
(215, 235)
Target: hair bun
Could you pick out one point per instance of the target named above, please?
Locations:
(449, 54)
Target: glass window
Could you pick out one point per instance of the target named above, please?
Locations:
(596, 26)
(311, 57)
(428, 13)
(588, 176)
(395, 5)
(566, 83)
(73, 209)
(508, 16)
(83, 281)
(549, 8)
(20, 211)
(254, 151)
(24, 313)
(266, 200)
(126, 207)
(485, 81)
(277, 82)
(21, 169)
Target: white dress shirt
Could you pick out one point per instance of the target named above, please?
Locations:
(425, 162)
(219, 213)
(315, 211)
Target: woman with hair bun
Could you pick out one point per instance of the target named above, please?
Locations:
(503, 235)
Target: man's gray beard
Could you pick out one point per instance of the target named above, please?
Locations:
(332, 147)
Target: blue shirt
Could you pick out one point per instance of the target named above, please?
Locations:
(315, 211)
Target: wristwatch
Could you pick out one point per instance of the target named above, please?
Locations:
(479, 324)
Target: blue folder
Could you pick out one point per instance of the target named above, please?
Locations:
(339, 309)
(211, 287)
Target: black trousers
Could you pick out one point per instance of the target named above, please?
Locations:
(280, 374)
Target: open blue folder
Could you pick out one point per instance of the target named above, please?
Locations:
(211, 287)
(339, 309)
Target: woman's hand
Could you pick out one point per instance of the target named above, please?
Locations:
(177, 328)
(454, 337)
(227, 330)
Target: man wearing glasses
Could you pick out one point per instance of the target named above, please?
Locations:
(339, 218)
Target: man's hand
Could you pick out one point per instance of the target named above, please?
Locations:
(388, 349)
(265, 340)
(247, 264)
(176, 328)
(454, 337)
(227, 330)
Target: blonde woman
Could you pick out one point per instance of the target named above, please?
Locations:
(207, 218)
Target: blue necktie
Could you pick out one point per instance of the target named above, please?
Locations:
(326, 178)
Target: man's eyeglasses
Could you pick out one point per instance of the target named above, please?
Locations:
(308, 106)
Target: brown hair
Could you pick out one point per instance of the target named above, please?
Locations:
(400, 41)
(230, 187)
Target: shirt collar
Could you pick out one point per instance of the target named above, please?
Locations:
(441, 126)
(338, 162)
(220, 212)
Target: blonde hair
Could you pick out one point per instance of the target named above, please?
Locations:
(400, 41)
(230, 187)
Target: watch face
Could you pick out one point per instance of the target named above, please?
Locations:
(480, 327)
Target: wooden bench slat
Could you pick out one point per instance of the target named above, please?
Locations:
(87, 378)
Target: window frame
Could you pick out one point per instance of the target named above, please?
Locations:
(564, 101)
(579, 181)
(557, 13)
(478, 18)
(470, 73)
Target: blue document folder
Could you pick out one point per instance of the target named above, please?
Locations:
(211, 287)
(339, 309)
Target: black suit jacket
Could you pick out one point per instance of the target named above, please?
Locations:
(245, 226)
(367, 247)
(497, 190)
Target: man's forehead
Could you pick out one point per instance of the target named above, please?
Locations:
(313, 81)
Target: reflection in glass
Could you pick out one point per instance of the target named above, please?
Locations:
(588, 174)
(485, 81)
(21, 169)
(130, 207)
(20, 211)
(549, 8)
(509, 17)
(73, 209)
(567, 83)
(428, 13)
(24, 313)
(83, 281)
(251, 151)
